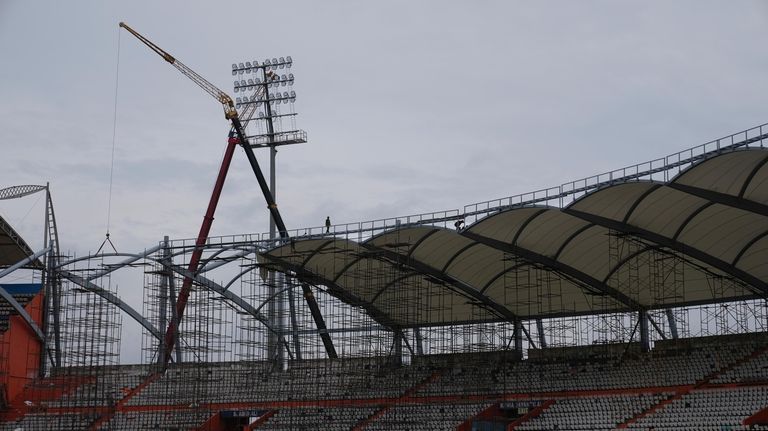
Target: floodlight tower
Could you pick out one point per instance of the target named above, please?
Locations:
(270, 115)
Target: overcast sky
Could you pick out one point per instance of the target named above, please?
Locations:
(409, 106)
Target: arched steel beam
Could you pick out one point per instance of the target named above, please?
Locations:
(14, 303)
(88, 285)
(758, 286)
(501, 274)
(244, 251)
(392, 283)
(457, 254)
(131, 258)
(248, 268)
(499, 309)
(723, 198)
(18, 241)
(91, 287)
(221, 290)
(231, 296)
(15, 192)
(304, 275)
(525, 224)
(586, 279)
(411, 249)
(751, 176)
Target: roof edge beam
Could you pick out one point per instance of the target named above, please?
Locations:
(419, 266)
(305, 275)
(557, 266)
(723, 199)
(761, 288)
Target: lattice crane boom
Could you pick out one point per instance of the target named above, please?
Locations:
(229, 106)
(230, 112)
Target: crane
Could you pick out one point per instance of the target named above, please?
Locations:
(231, 114)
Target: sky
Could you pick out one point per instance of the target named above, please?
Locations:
(409, 107)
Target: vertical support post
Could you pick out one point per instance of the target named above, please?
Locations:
(294, 323)
(275, 306)
(419, 341)
(540, 330)
(397, 347)
(174, 316)
(46, 278)
(519, 337)
(645, 341)
(54, 280)
(163, 299)
(672, 323)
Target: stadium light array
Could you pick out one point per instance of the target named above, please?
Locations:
(263, 86)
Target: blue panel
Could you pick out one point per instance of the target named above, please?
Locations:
(22, 289)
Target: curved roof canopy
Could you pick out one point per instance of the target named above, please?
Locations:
(13, 248)
(700, 238)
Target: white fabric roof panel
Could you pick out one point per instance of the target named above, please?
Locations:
(612, 202)
(625, 247)
(665, 209)
(723, 231)
(757, 189)
(540, 234)
(723, 174)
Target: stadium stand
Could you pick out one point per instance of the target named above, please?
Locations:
(708, 383)
(475, 328)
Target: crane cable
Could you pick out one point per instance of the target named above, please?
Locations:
(112, 159)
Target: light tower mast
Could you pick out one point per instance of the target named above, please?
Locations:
(273, 124)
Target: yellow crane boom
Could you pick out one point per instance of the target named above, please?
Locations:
(229, 106)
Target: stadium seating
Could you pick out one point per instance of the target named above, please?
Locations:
(707, 383)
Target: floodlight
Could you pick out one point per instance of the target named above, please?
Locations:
(261, 93)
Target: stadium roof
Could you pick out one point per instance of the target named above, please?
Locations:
(700, 238)
(13, 248)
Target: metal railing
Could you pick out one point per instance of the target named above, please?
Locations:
(661, 169)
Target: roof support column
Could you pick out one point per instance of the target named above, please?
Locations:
(396, 358)
(419, 341)
(518, 337)
(294, 323)
(163, 300)
(672, 323)
(540, 330)
(645, 341)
